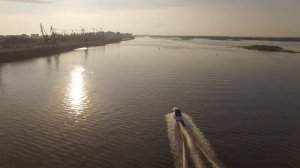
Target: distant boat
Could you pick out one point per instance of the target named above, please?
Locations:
(177, 114)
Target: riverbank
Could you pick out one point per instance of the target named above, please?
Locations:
(228, 38)
(10, 55)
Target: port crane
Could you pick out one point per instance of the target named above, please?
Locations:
(53, 34)
(44, 33)
(46, 36)
(84, 34)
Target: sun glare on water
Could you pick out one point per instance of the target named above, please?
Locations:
(76, 92)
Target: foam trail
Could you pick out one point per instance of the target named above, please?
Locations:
(193, 151)
(184, 162)
(202, 143)
(188, 145)
(177, 145)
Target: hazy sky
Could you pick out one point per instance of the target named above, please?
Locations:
(166, 17)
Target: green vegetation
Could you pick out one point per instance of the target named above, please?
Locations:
(267, 48)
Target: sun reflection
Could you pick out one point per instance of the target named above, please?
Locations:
(77, 94)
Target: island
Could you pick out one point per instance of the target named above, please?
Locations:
(267, 48)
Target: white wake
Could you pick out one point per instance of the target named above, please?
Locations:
(188, 145)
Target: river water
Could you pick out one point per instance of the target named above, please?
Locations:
(109, 106)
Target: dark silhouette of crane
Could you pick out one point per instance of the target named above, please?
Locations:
(53, 34)
(44, 33)
(84, 34)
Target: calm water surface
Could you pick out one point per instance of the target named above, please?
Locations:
(105, 106)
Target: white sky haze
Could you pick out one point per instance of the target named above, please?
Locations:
(159, 17)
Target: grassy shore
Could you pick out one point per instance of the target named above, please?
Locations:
(268, 48)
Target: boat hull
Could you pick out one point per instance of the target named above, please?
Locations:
(178, 118)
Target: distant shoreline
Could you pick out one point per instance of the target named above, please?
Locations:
(267, 48)
(10, 55)
(229, 38)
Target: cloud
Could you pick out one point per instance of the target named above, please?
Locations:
(29, 1)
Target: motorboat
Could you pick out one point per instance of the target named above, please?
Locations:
(177, 114)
